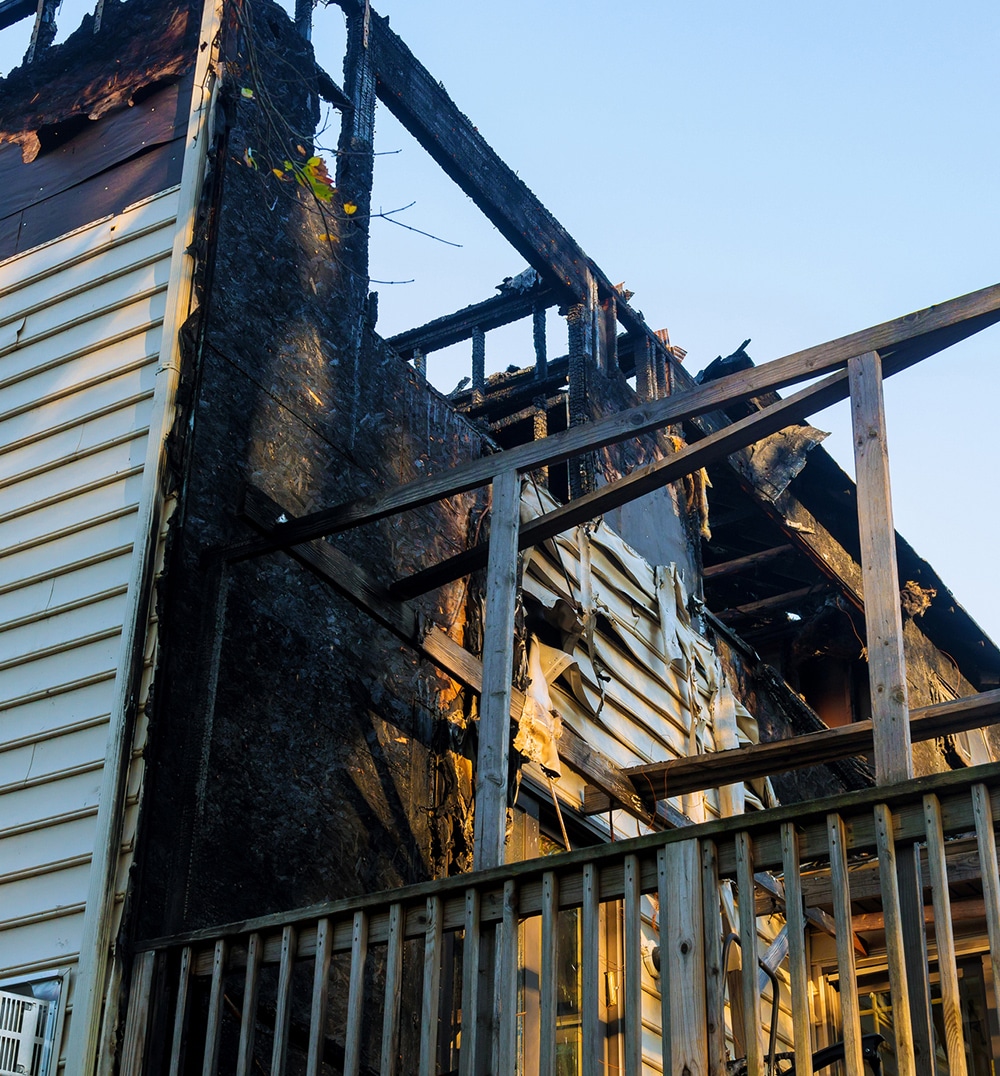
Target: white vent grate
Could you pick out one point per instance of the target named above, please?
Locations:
(22, 1034)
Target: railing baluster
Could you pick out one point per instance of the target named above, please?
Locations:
(549, 983)
(320, 993)
(748, 952)
(849, 1007)
(284, 1004)
(666, 979)
(393, 991)
(797, 966)
(248, 1022)
(633, 968)
(180, 1013)
(470, 986)
(894, 940)
(506, 1002)
(944, 936)
(715, 973)
(137, 1020)
(213, 1028)
(682, 949)
(356, 995)
(432, 987)
(988, 869)
(590, 951)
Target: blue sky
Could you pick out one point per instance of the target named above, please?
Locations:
(787, 172)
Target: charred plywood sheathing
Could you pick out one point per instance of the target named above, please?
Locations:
(622, 663)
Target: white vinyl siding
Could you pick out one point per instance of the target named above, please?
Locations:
(80, 336)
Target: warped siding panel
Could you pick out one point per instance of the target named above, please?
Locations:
(60, 593)
(35, 721)
(57, 936)
(129, 384)
(87, 435)
(22, 806)
(80, 338)
(90, 542)
(76, 473)
(70, 341)
(45, 519)
(72, 838)
(29, 763)
(98, 615)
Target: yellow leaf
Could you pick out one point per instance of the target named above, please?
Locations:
(350, 208)
(246, 92)
(327, 238)
(278, 172)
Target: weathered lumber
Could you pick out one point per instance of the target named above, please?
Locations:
(498, 657)
(883, 615)
(491, 313)
(693, 774)
(336, 568)
(641, 481)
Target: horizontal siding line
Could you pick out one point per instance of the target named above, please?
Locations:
(91, 315)
(91, 251)
(52, 776)
(82, 420)
(56, 297)
(64, 647)
(74, 457)
(53, 734)
(81, 352)
(47, 823)
(67, 569)
(67, 607)
(43, 917)
(60, 689)
(80, 386)
(53, 867)
(49, 964)
(69, 494)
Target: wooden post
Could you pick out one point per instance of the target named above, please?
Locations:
(883, 616)
(797, 965)
(887, 663)
(498, 659)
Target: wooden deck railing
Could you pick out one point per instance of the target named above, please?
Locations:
(373, 984)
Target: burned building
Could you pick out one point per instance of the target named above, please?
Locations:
(348, 726)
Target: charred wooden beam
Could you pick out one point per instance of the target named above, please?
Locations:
(678, 776)
(640, 482)
(451, 329)
(12, 11)
(739, 565)
(424, 108)
(909, 339)
(775, 603)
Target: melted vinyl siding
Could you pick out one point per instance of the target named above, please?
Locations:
(80, 334)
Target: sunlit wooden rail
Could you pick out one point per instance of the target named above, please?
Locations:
(384, 983)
